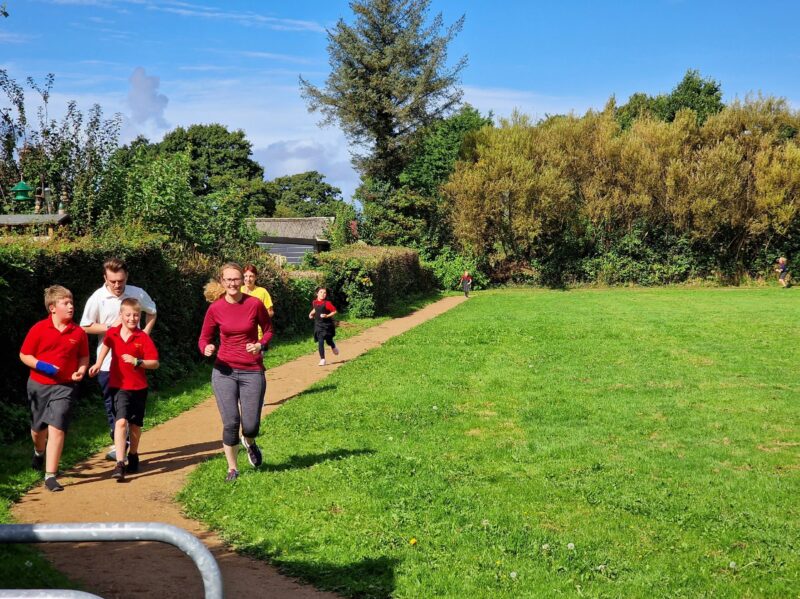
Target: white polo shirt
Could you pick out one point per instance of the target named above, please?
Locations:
(103, 308)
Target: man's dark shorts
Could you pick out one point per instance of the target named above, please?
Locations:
(51, 404)
(129, 405)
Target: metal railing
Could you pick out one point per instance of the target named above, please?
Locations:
(118, 531)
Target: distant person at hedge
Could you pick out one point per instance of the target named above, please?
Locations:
(783, 272)
(101, 313)
(466, 283)
(238, 376)
(322, 311)
(132, 352)
(57, 352)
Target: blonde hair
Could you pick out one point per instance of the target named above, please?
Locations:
(213, 291)
(130, 302)
(54, 293)
(232, 266)
(782, 260)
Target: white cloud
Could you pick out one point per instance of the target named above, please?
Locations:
(289, 157)
(6, 37)
(503, 101)
(145, 102)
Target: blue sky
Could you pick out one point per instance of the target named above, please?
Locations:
(164, 63)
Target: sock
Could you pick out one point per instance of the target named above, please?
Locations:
(49, 475)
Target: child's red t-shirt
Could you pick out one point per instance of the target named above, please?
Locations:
(325, 305)
(139, 345)
(59, 348)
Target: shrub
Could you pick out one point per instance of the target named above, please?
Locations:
(448, 267)
(366, 280)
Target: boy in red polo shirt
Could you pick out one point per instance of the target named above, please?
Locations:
(57, 352)
(132, 352)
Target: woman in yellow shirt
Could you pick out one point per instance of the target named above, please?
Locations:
(250, 288)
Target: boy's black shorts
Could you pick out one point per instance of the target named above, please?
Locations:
(51, 404)
(130, 405)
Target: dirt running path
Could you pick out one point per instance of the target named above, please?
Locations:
(172, 450)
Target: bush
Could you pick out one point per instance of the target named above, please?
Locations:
(448, 267)
(367, 280)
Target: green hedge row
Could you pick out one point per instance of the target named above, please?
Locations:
(366, 280)
(174, 276)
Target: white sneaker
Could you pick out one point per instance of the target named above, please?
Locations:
(335, 351)
(322, 362)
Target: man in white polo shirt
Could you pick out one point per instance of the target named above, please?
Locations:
(102, 312)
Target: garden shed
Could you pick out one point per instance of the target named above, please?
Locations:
(293, 238)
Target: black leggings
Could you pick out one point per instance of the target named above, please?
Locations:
(322, 340)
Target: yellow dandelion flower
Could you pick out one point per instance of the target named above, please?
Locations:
(413, 541)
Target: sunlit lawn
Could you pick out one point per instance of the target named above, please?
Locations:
(615, 443)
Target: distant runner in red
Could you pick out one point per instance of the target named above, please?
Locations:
(322, 312)
(466, 283)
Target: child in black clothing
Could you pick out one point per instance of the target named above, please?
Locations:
(322, 312)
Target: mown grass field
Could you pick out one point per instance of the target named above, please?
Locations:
(23, 567)
(597, 443)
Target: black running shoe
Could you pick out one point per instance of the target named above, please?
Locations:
(232, 476)
(119, 472)
(133, 463)
(52, 484)
(253, 453)
(37, 462)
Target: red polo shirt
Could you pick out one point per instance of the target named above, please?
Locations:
(139, 345)
(60, 348)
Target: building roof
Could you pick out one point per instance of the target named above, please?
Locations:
(19, 220)
(300, 229)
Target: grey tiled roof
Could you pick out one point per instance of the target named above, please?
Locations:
(312, 228)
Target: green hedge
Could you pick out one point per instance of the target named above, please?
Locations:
(367, 280)
(173, 275)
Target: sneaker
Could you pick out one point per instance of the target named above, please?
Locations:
(37, 462)
(119, 472)
(112, 452)
(52, 484)
(133, 463)
(322, 362)
(335, 351)
(232, 476)
(253, 453)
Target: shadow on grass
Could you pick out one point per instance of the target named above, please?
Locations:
(297, 462)
(372, 578)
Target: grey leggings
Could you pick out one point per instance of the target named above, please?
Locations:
(235, 389)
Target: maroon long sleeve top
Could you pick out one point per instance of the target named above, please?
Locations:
(237, 325)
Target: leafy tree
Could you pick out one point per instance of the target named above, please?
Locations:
(416, 213)
(702, 95)
(215, 154)
(389, 79)
(304, 194)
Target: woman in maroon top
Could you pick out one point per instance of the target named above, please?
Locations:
(238, 376)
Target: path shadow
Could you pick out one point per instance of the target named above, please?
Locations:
(298, 462)
(152, 462)
(370, 577)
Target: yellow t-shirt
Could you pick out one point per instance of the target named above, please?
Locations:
(264, 296)
(261, 294)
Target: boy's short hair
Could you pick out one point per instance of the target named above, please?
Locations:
(130, 302)
(54, 293)
(115, 265)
